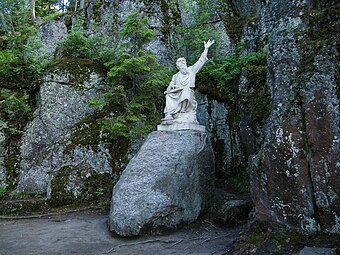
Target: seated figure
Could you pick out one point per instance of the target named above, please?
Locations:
(180, 102)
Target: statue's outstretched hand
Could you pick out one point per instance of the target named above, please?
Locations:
(208, 43)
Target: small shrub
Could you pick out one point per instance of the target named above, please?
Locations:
(15, 109)
(77, 45)
(3, 192)
(132, 106)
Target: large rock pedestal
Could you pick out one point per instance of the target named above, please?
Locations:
(169, 182)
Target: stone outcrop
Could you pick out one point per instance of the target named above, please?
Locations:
(52, 33)
(169, 182)
(295, 166)
(294, 177)
(54, 156)
(214, 116)
(317, 251)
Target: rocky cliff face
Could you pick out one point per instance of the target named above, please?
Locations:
(46, 150)
(169, 182)
(294, 176)
(284, 127)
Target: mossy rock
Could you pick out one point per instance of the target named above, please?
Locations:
(22, 206)
(79, 69)
(86, 133)
(270, 238)
(79, 184)
(11, 163)
(257, 99)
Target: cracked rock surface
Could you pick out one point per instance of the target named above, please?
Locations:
(169, 182)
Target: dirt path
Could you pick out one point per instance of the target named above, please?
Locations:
(86, 233)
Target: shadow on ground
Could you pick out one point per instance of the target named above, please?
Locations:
(86, 233)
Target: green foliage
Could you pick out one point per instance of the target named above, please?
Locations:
(3, 192)
(99, 192)
(239, 182)
(47, 8)
(130, 66)
(188, 41)
(133, 104)
(76, 43)
(13, 107)
(221, 77)
(14, 14)
(135, 30)
(22, 61)
(53, 16)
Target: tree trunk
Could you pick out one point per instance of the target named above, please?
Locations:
(33, 10)
(82, 4)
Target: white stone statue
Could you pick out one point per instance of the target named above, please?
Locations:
(180, 99)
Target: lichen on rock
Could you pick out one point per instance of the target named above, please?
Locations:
(63, 104)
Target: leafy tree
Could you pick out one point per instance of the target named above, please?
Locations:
(132, 60)
(13, 107)
(187, 41)
(19, 61)
(138, 81)
(13, 15)
(77, 44)
(223, 74)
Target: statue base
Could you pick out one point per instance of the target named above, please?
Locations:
(175, 126)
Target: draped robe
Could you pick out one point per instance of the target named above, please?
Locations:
(181, 89)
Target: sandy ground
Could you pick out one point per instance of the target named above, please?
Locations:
(86, 233)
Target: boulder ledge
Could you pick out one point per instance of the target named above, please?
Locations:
(169, 182)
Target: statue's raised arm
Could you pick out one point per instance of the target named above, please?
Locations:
(207, 46)
(181, 104)
(203, 58)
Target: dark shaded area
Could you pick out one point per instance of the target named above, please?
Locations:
(264, 238)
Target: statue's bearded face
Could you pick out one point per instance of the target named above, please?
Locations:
(181, 64)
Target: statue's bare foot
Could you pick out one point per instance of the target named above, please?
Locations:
(167, 117)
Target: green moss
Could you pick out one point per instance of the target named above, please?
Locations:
(89, 133)
(319, 38)
(11, 163)
(232, 21)
(86, 133)
(252, 20)
(257, 99)
(86, 186)
(267, 238)
(22, 206)
(96, 10)
(78, 68)
(286, 237)
(59, 195)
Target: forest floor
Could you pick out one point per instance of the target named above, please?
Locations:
(86, 232)
(83, 230)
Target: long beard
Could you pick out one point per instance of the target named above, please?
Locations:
(184, 70)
